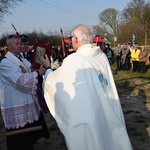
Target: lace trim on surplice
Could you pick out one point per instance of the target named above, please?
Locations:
(20, 116)
(27, 83)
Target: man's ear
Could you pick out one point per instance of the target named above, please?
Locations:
(76, 39)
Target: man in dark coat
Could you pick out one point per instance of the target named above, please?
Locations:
(26, 52)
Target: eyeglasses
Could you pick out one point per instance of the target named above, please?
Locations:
(71, 37)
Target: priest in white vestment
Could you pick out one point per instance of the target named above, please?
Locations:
(82, 97)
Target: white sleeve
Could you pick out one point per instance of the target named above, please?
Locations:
(47, 72)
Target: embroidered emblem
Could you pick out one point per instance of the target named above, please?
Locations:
(102, 79)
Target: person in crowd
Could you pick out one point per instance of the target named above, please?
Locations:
(117, 54)
(143, 59)
(82, 97)
(60, 54)
(135, 58)
(5, 49)
(131, 48)
(20, 106)
(109, 52)
(125, 57)
(25, 51)
(55, 58)
(129, 64)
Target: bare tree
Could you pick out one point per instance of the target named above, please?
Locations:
(135, 8)
(5, 6)
(135, 20)
(109, 20)
(146, 18)
(140, 10)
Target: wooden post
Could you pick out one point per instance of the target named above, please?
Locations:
(19, 131)
(145, 33)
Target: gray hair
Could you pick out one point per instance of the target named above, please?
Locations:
(10, 37)
(82, 33)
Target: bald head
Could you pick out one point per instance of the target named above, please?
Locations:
(83, 33)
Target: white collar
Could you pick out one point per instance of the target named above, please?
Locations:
(15, 60)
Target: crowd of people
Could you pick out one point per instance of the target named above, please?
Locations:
(128, 56)
(131, 57)
(80, 94)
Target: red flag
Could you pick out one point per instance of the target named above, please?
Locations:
(17, 33)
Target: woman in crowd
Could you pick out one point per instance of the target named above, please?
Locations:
(143, 59)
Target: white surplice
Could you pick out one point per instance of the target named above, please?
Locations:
(82, 97)
(18, 99)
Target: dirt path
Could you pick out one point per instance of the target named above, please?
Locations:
(135, 99)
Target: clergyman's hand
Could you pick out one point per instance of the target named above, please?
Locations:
(45, 61)
(41, 70)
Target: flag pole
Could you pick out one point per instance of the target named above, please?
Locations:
(63, 43)
(15, 29)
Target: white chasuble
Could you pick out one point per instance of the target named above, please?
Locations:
(82, 97)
